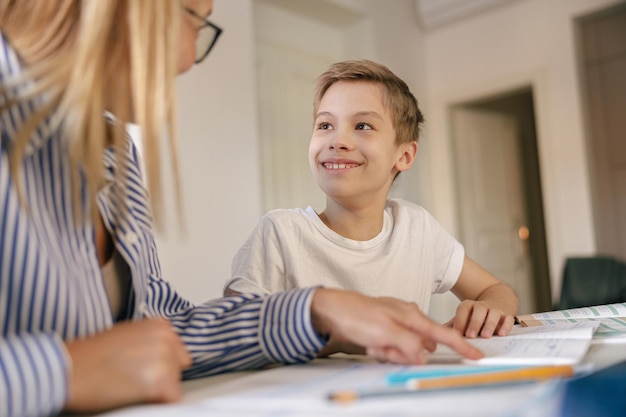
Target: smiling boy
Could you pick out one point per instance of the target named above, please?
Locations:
(366, 128)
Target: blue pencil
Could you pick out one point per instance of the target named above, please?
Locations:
(403, 377)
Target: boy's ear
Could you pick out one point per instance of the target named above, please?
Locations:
(405, 162)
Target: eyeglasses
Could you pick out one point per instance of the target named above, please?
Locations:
(207, 36)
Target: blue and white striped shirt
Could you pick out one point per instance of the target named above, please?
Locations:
(51, 286)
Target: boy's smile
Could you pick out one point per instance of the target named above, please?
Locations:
(339, 164)
(353, 150)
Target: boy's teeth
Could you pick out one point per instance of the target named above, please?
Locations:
(335, 166)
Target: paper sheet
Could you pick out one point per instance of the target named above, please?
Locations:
(541, 345)
(610, 319)
(608, 310)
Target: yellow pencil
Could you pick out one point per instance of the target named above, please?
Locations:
(534, 373)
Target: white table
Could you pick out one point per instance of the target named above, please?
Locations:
(301, 391)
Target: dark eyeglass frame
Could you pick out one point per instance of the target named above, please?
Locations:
(205, 23)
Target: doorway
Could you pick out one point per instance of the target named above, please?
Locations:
(602, 63)
(499, 193)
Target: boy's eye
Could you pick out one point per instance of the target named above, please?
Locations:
(323, 126)
(363, 126)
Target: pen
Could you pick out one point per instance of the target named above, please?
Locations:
(519, 322)
(536, 373)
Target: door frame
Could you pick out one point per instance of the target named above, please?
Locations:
(513, 104)
(545, 271)
(604, 208)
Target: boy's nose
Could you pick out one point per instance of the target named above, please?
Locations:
(340, 141)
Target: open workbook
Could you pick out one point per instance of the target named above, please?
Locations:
(610, 318)
(550, 338)
(536, 345)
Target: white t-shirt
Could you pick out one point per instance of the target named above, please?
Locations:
(411, 258)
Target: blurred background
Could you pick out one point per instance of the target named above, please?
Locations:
(523, 154)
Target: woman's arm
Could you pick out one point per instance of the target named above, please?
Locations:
(33, 375)
(142, 361)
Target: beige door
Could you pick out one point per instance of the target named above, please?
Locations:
(491, 201)
(603, 55)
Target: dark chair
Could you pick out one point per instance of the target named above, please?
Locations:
(589, 281)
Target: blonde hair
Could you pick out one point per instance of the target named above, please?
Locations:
(88, 57)
(405, 113)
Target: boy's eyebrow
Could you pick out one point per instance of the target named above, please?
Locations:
(360, 113)
(369, 113)
(323, 113)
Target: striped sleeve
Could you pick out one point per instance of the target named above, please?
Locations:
(33, 375)
(248, 331)
(286, 332)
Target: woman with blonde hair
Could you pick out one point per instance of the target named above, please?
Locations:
(87, 321)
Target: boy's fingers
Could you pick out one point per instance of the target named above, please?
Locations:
(507, 326)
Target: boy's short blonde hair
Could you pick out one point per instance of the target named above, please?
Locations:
(405, 113)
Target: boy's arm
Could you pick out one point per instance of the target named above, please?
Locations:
(258, 267)
(488, 306)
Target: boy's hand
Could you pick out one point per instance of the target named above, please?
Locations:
(388, 329)
(476, 318)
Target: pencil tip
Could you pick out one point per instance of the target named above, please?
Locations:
(343, 396)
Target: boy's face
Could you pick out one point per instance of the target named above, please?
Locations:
(353, 151)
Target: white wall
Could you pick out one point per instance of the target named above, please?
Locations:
(530, 42)
(525, 42)
(219, 160)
